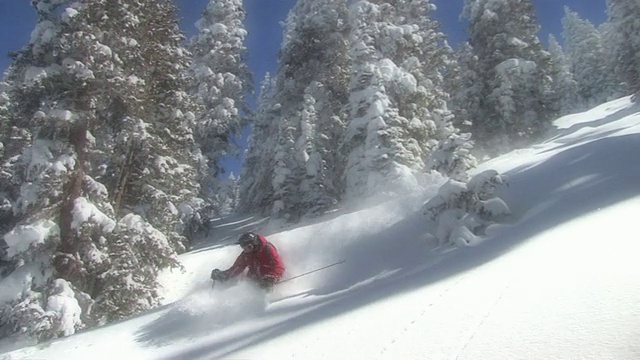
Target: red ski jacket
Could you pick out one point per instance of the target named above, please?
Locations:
(263, 262)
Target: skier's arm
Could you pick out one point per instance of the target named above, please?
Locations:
(238, 266)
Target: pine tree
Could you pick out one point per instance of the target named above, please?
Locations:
(313, 63)
(462, 82)
(321, 128)
(55, 81)
(222, 81)
(625, 43)
(8, 187)
(100, 89)
(154, 164)
(315, 51)
(398, 105)
(4, 112)
(564, 86)
(155, 168)
(256, 192)
(587, 60)
(228, 192)
(514, 71)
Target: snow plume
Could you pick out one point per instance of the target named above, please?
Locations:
(311, 246)
(203, 311)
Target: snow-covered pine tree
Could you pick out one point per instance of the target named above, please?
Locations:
(156, 163)
(4, 112)
(564, 86)
(222, 81)
(623, 37)
(313, 62)
(99, 86)
(446, 150)
(316, 51)
(287, 170)
(397, 102)
(227, 195)
(587, 60)
(8, 187)
(369, 159)
(462, 83)
(55, 89)
(14, 138)
(321, 185)
(155, 167)
(452, 156)
(514, 73)
(256, 192)
(461, 212)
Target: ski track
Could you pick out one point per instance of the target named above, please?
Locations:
(477, 327)
(430, 307)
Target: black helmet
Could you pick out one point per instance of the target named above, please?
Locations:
(248, 238)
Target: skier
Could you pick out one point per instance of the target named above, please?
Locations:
(262, 259)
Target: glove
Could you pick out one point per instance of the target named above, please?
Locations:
(217, 274)
(267, 282)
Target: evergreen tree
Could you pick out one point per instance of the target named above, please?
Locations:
(397, 102)
(106, 165)
(314, 53)
(514, 73)
(587, 60)
(159, 166)
(564, 86)
(256, 192)
(4, 111)
(452, 156)
(622, 36)
(228, 194)
(8, 188)
(13, 139)
(54, 96)
(221, 82)
(304, 171)
(463, 84)
(322, 126)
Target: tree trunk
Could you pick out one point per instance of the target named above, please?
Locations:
(66, 261)
(123, 179)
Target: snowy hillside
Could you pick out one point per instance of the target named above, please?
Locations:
(559, 280)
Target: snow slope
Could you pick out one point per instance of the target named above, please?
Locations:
(560, 280)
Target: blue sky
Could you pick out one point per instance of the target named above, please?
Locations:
(17, 20)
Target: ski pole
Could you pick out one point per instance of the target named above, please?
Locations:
(312, 271)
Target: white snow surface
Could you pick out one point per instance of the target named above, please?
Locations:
(560, 279)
